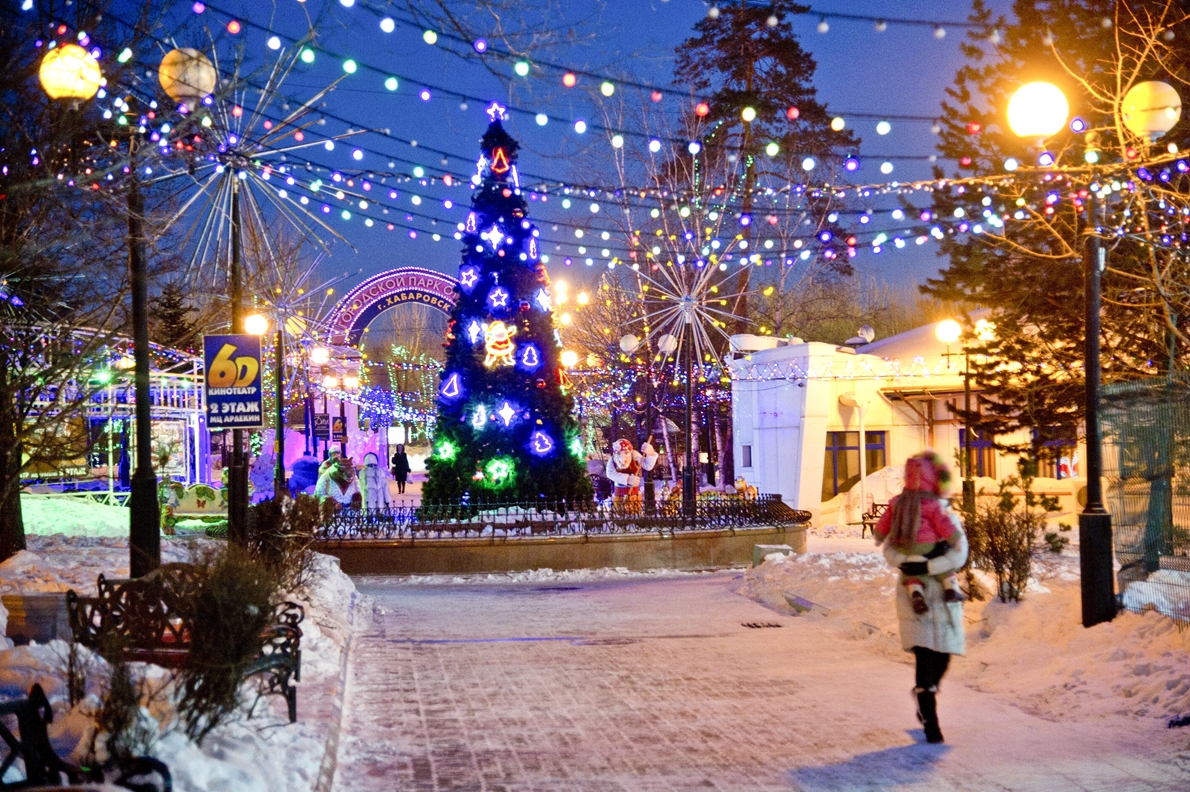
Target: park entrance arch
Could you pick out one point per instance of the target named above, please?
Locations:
(391, 288)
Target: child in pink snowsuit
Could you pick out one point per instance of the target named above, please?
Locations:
(927, 525)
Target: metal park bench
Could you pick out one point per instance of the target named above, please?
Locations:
(44, 769)
(869, 518)
(150, 618)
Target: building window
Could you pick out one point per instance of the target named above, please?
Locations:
(983, 453)
(840, 470)
(746, 453)
(1058, 458)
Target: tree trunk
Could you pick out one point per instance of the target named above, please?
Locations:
(669, 452)
(720, 456)
(12, 525)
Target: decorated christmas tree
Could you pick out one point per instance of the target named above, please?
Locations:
(504, 431)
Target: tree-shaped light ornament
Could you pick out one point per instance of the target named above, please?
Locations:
(504, 431)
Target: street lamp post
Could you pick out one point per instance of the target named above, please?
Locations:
(948, 332)
(144, 539)
(71, 73)
(1038, 111)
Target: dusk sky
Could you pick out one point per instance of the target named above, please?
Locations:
(900, 71)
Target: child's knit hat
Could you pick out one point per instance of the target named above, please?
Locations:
(928, 472)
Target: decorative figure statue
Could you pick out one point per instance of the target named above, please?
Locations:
(624, 468)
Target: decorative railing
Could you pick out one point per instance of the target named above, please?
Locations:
(545, 519)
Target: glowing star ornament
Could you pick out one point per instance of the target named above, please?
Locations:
(543, 300)
(498, 344)
(506, 414)
(541, 444)
(498, 298)
(468, 277)
(446, 451)
(499, 471)
(494, 236)
(496, 112)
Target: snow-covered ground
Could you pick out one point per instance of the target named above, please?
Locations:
(55, 514)
(264, 754)
(637, 682)
(1036, 651)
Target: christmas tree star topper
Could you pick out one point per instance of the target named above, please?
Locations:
(495, 112)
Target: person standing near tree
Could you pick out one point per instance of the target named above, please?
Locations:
(935, 633)
(400, 469)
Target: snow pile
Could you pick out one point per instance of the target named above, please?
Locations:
(1035, 652)
(264, 754)
(59, 562)
(1166, 591)
(856, 588)
(544, 575)
(48, 514)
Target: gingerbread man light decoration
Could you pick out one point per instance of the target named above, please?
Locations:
(498, 344)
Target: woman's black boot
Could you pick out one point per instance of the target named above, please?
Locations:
(927, 713)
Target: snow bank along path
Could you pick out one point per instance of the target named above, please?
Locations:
(635, 682)
(265, 754)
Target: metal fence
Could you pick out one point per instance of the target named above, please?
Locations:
(544, 519)
(1146, 445)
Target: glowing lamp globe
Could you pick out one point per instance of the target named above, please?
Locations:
(1150, 109)
(256, 324)
(1037, 110)
(570, 358)
(629, 343)
(187, 76)
(350, 382)
(948, 331)
(668, 344)
(330, 381)
(320, 356)
(70, 72)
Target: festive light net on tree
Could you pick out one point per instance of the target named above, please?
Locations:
(1146, 447)
(504, 430)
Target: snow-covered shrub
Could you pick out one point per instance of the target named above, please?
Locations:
(235, 600)
(281, 536)
(1002, 536)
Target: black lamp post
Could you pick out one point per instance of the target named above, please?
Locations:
(76, 76)
(1037, 111)
(144, 537)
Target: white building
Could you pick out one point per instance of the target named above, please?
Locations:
(799, 409)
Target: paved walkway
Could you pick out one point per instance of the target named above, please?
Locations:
(657, 685)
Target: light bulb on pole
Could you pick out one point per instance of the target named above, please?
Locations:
(256, 324)
(1039, 110)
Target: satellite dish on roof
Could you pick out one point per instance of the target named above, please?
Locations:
(864, 335)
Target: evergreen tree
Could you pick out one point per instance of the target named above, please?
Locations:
(504, 430)
(172, 325)
(746, 57)
(1028, 264)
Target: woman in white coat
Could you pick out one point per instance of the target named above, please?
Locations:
(937, 633)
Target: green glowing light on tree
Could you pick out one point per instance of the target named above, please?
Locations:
(447, 451)
(499, 471)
